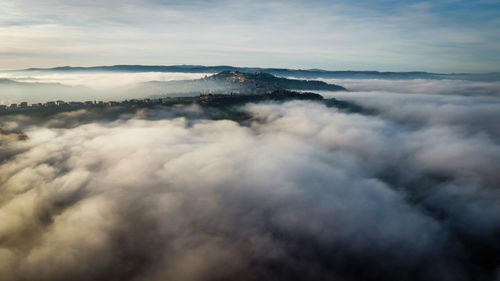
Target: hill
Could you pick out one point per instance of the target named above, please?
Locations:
(237, 82)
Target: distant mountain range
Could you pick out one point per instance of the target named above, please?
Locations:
(283, 72)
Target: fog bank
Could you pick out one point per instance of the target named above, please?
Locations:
(421, 86)
(303, 192)
(35, 87)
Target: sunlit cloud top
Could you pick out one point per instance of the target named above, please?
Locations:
(440, 36)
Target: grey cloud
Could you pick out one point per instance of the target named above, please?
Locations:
(303, 192)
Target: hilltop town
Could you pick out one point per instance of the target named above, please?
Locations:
(237, 82)
(224, 88)
(202, 99)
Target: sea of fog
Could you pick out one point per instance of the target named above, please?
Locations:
(34, 87)
(40, 86)
(422, 86)
(96, 80)
(406, 189)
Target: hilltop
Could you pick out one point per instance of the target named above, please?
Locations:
(237, 82)
(261, 82)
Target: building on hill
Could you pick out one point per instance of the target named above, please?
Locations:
(75, 104)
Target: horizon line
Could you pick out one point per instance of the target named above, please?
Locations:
(246, 67)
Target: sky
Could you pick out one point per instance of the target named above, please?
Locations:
(437, 36)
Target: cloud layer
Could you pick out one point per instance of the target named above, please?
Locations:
(469, 114)
(35, 87)
(49, 86)
(301, 192)
(421, 86)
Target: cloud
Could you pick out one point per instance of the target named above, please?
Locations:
(302, 192)
(421, 86)
(35, 87)
(99, 80)
(470, 114)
